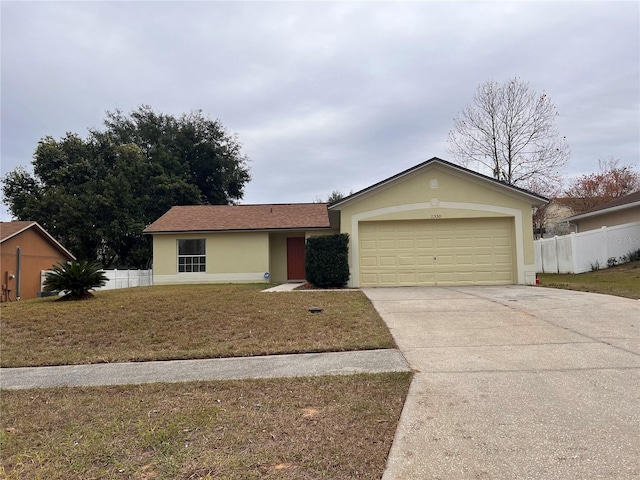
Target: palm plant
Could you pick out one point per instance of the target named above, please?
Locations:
(75, 278)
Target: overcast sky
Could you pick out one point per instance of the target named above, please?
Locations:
(323, 95)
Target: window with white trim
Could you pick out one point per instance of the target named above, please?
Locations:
(192, 255)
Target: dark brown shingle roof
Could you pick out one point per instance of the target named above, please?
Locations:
(202, 218)
(616, 203)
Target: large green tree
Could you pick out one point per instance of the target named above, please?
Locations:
(96, 195)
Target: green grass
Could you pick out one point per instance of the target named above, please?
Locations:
(185, 322)
(307, 428)
(621, 280)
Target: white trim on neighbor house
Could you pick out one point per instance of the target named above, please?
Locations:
(526, 273)
(604, 211)
(201, 277)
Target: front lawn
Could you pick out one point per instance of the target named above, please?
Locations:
(621, 280)
(185, 322)
(308, 428)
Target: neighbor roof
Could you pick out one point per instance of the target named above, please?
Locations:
(620, 203)
(204, 218)
(11, 229)
(537, 199)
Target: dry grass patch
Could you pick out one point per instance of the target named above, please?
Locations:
(311, 428)
(185, 322)
(621, 280)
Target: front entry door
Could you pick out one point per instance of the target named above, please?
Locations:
(295, 258)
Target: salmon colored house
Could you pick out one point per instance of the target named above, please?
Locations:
(25, 250)
(434, 224)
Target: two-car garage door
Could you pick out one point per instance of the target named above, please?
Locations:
(436, 252)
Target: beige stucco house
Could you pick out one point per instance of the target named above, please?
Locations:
(434, 224)
(235, 243)
(619, 211)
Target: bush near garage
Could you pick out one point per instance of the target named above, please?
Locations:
(326, 260)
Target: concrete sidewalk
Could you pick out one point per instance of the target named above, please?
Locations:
(269, 366)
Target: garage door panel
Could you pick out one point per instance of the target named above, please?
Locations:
(483, 259)
(446, 260)
(406, 260)
(407, 277)
(444, 243)
(465, 259)
(386, 245)
(423, 260)
(367, 261)
(368, 245)
(369, 278)
(406, 244)
(426, 243)
(502, 259)
(388, 279)
(436, 252)
(387, 261)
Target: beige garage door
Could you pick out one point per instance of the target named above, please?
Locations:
(436, 252)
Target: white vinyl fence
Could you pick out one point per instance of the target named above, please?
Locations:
(581, 252)
(120, 279)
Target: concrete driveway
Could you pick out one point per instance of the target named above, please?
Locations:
(515, 383)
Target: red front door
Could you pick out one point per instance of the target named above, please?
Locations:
(295, 258)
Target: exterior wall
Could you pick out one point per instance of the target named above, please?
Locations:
(231, 257)
(278, 251)
(619, 217)
(37, 253)
(438, 192)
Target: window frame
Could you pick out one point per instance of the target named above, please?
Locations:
(191, 263)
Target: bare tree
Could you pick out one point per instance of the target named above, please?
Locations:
(509, 132)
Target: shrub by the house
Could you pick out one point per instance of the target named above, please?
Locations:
(326, 260)
(75, 279)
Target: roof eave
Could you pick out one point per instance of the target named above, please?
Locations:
(603, 211)
(238, 230)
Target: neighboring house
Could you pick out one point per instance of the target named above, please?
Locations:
(551, 217)
(434, 224)
(619, 211)
(25, 250)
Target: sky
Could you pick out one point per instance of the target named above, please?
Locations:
(323, 95)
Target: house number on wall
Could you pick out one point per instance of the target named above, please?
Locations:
(436, 215)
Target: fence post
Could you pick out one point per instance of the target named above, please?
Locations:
(574, 254)
(605, 245)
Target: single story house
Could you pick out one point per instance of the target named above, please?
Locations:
(25, 250)
(619, 211)
(434, 224)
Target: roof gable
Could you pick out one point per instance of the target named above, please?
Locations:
(534, 198)
(12, 229)
(218, 218)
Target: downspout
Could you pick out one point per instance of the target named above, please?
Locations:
(18, 259)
